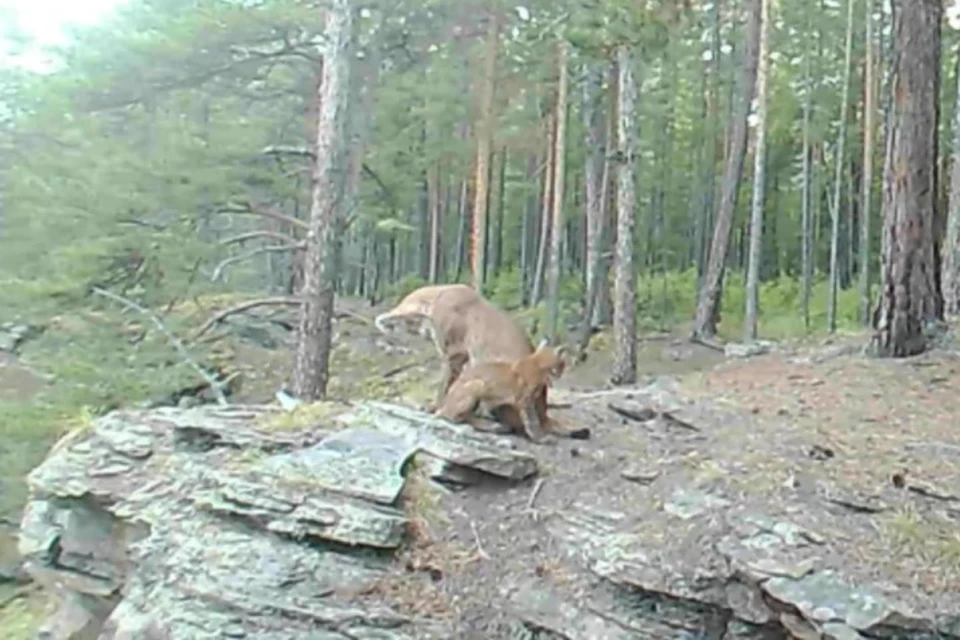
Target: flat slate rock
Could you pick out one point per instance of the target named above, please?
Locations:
(180, 524)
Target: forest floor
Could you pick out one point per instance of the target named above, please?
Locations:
(817, 409)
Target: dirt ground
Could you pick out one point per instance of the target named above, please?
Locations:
(818, 411)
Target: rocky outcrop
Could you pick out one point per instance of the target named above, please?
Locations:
(210, 522)
(199, 523)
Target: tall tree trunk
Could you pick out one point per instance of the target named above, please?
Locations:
(838, 178)
(756, 209)
(708, 170)
(484, 143)
(708, 305)
(497, 245)
(463, 215)
(527, 226)
(625, 277)
(950, 276)
(546, 207)
(910, 297)
(604, 310)
(593, 166)
(869, 112)
(806, 219)
(433, 182)
(553, 288)
(312, 357)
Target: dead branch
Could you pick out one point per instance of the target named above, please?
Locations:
(251, 208)
(710, 344)
(262, 233)
(214, 383)
(476, 538)
(244, 306)
(20, 592)
(534, 493)
(288, 150)
(640, 414)
(404, 367)
(218, 270)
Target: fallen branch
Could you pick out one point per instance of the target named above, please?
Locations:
(476, 540)
(261, 233)
(400, 369)
(214, 383)
(253, 253)
(640, 414)
(244, 306)
(21, 592)
(710, 344)
(534, 493)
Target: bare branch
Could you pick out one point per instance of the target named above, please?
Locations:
(262, 233)
(244, 306)
(211, 380)
(288, 150)
(251, 208)
(218, 270)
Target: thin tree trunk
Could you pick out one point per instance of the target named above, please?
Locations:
(463, 217)
(838, 178)
(950, 275)
(546, 206)
(594, 169)
(433, 184)
(625, 278)
(705, 325)
(910, 298)
(527, 226)
(869, 111)
(553, 285)
(806, 219)
(756, 209)
(707, 185)
(498, 223)
(312, 357)
(484, 143)
(604, 309)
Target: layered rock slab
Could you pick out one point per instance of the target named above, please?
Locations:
(199, 523)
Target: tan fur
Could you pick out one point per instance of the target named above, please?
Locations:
(505, 385)
(466, 329)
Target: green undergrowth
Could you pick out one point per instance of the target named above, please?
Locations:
(667, 302)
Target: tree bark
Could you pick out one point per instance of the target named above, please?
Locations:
(497, 245)
(869, 113)
(433, 186)
(834, 277)
(705, 325)
(546, 207)
(559, 174)
(756, 209)
(593, 168)
(806, 218)
(604, 308)
(484, 143)
(312, 357)
(625, 278)
(527, 226)
(910, 299)
(950, 275)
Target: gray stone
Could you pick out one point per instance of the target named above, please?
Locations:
(747, 350)
(182, 524)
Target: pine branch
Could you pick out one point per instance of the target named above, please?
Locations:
(215, 384)
(218, 270)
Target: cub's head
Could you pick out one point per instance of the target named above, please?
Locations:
(550, 362)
